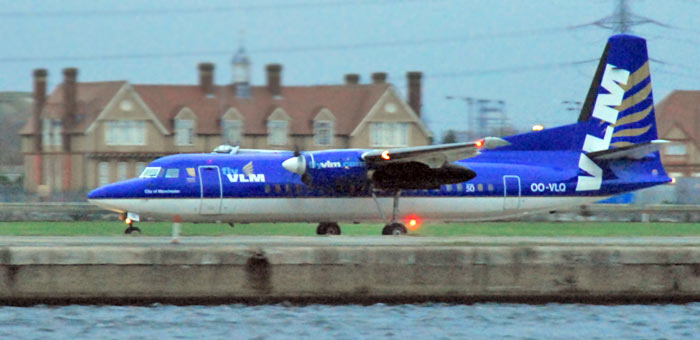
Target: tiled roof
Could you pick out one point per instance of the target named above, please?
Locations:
(91, 99)
(681, 109)
(348, 103)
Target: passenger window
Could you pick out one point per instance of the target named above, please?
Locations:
(299, 188)
(287, 188)
(278, 188)
(172, 173)
(191, 172)
(448, 187)
(490, 187)
(459, 187)
(480, 187)
(151, 172)
(267, 188)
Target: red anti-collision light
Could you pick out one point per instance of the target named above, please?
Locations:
(413, 222)
(479, 143)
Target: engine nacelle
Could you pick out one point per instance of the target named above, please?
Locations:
(330, 168)
(414, 175)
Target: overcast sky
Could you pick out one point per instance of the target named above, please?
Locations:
(527, 52)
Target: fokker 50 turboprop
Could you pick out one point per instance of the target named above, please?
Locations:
(612, 149)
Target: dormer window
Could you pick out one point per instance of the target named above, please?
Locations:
(323, 132)
(184, 132)
(277, 132)
(232, 131)
(232, 127)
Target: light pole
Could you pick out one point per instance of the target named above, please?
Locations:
(470, 111)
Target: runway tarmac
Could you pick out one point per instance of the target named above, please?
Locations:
(345, 241)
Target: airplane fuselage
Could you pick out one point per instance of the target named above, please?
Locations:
(256, 188)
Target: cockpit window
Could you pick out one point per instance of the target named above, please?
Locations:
(150, 172)
(172, 173)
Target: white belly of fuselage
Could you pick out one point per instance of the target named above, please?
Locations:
(357, 209)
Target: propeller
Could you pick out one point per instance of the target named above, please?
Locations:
(297, 165)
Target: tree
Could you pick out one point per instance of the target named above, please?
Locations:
(449, 137)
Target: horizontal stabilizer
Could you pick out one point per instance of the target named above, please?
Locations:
(636, 151)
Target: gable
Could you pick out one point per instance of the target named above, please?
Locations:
(324, 114)
(390, 108)
(278, 114)
(675, 133)
(126, 104)
(185, 113)
(232, 114)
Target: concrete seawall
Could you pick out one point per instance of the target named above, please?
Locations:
(64, 270)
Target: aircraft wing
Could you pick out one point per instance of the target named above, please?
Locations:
(434, 156)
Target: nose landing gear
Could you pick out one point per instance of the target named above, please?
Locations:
(130, 229)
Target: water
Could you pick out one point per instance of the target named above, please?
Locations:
(425, 321)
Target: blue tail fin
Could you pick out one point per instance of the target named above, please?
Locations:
(616, 130)
(619, 108)
(617, 124)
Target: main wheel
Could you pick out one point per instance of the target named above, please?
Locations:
(327, 228)
(333, 229)
(132, 229)
(394, 229)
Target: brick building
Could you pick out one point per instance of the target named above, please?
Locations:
(678, 117)
(86, 134)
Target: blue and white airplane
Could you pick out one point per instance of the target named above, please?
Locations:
(612, 149)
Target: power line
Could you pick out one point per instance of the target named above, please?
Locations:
(511, 69)
(292, 49)
(199, 10)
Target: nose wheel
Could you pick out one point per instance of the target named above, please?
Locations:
(130, 229)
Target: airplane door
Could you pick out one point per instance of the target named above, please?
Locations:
(511, 193)
(211, 193)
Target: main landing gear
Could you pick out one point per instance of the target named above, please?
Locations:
(328, 228)
(394, 227)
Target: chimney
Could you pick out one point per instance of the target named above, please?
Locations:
(70, 103)
(39, 101)
(274, 79)
(352, 79)
(206, 78)
(414, 91)
(379, 77)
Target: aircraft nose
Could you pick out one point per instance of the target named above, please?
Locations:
(98, 193)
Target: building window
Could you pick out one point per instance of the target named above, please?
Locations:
(125, 132)
(323, 132)
(103, 174)
(277, 132)
(52, 132)
(232, 132)
(121, 171)
(676, 150)
(184, 132)
(389, 134)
